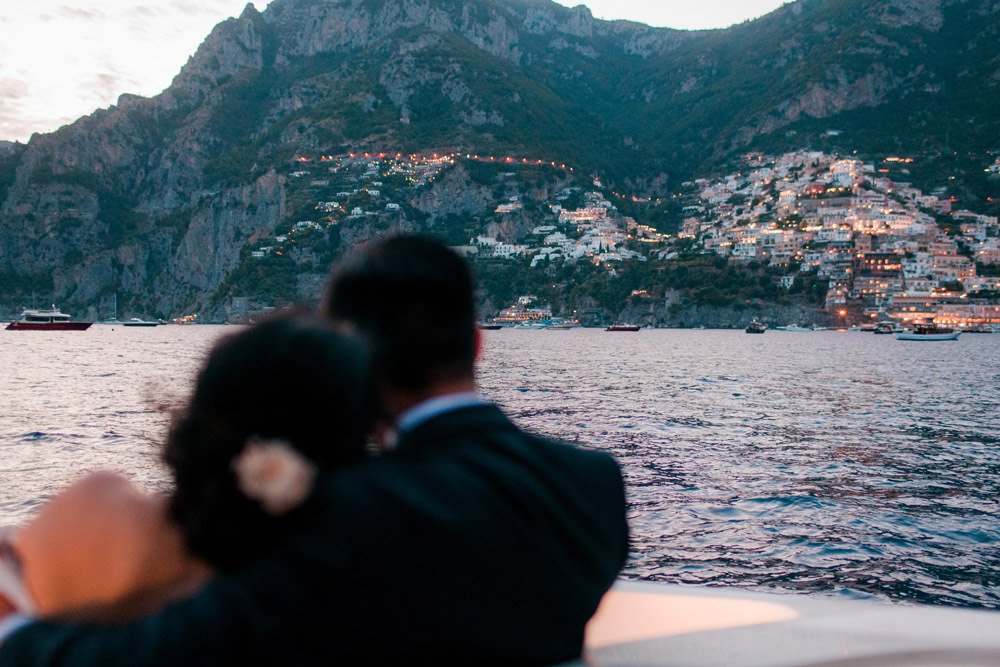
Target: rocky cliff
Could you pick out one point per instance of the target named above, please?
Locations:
(154, 200)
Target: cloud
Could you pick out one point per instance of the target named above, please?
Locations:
(18, 121)
(13, 89)
(187, 7)
(79, 56)
(146, 11)
(107, 79)
(76, 13)
(101, 88)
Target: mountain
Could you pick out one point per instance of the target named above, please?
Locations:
(155, 200)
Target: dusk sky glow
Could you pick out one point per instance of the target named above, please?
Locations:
(62, 59)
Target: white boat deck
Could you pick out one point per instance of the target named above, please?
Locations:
(641, 624)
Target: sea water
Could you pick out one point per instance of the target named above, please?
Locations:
(829, 463)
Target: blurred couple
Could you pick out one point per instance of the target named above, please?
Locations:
(286, 540)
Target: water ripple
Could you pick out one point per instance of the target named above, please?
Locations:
(833, 463)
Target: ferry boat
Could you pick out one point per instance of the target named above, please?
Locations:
(929, 332)
(524, 312)
(756, 327)
(47, 320)
(623, 327)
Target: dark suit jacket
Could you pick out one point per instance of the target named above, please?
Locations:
(472, 543)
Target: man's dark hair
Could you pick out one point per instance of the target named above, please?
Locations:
(413, 299)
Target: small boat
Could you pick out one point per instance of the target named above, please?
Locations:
(623, 327)
(888, 328)
(793, 327)
(136, 322)
(756, 327)
(489, 327)
(978, 329)
(47, 320)
(868, 327)
(929, 332)
(560, 323)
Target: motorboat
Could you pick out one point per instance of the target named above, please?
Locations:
(50, 319)
(560, 323)
(888, 328)
(929, 332)
(756, 327)
(486, 326)
(793, 327)
(136, 322)
(623, 327)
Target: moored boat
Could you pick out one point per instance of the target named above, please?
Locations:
(888, 328)
(756, 327)
(623, 327)
(47, 320)
(929, 332)
(561, 323)
(486, 326)
(136, 322)
(793, 327)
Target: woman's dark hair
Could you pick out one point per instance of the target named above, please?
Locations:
(292, 377)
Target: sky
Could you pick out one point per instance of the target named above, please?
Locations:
(62, 59)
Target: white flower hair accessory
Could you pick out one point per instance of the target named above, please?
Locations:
(274, 474)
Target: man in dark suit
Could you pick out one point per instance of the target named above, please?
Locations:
(468, 542)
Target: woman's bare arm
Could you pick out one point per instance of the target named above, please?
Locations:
(102, 549)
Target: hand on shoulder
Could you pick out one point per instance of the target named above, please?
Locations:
(103, 544)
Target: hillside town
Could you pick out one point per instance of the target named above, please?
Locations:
(882, 248)
(885, 248)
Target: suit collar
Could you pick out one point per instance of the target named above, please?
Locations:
(435, 406)
(477, 418)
